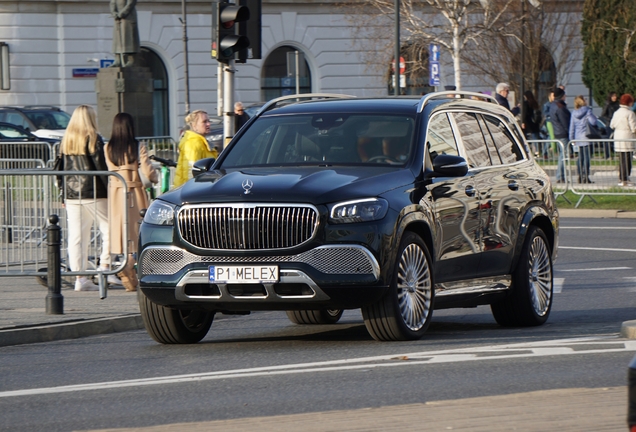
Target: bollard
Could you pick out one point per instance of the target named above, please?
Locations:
(54, 298)
(631, 391)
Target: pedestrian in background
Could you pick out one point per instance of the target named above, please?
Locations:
(560, 119)
(581, 116)
(624, 125)
(240, 116)
(193, 145)
(531, 124)
(611, 106)
(502, 91)
(126, 156)
(82, 149)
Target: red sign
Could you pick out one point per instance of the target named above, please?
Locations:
(402, 65)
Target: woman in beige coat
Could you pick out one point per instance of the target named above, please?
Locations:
(624, 125)
(125, 156)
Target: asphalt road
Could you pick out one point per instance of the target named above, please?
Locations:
(262, 365)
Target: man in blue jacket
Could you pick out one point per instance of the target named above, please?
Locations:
(560, 118)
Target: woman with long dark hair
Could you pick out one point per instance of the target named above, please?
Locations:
(531, 124)
(126, 156)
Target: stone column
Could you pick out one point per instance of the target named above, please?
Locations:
(125, 90)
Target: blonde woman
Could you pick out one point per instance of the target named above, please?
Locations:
(82, 149)
(193, 145)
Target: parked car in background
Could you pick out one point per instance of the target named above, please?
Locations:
(395, 206)
(18, 143)
(43, 121)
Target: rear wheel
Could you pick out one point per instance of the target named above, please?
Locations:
(322, 316)
(405, 312)
(173, 326)
(530, 298)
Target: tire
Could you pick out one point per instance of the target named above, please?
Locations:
(405, 312)
(173, 326)
(530, 299)
(322, 316)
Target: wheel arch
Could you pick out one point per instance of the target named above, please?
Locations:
(539, 217)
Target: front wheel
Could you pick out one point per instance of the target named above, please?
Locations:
(322, 316)
(405, 312)
(173, 326)
(530, 298)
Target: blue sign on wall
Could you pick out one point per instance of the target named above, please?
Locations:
(433, 77)
(104, 63)
(85, 72)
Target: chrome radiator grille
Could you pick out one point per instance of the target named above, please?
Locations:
(247, 227)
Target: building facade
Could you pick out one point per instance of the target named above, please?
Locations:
(56, 45)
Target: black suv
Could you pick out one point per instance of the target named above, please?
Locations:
(397, 206)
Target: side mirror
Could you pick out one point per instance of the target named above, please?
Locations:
(202, 166)
(450, 166)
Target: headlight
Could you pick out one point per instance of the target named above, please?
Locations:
(160, 213)
(215, 137)
(363, 210)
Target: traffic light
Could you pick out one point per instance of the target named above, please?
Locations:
(252, 30)
(225, 41)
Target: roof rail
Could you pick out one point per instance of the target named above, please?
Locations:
(275, 102)
(448, 94)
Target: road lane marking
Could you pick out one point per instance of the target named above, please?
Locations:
(597, 228)
(557, 285)
(595, 269)
(575, 346)
(597, 249)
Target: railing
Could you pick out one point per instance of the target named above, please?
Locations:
(590, 166)
(28, 198)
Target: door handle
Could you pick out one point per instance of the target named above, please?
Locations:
(513, 185)
(470, 191)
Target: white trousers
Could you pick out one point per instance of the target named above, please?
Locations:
(80, 215)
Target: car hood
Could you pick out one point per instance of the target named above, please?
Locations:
(56, 134)
(316, 185)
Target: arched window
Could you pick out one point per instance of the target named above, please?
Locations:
(160, 111)
(279, 73)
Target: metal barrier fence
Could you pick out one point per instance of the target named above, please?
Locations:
(26, 150)
(28, 198)
(587, 167)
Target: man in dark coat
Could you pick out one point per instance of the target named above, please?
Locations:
(240, 116)
(502, 90)
(560, 118)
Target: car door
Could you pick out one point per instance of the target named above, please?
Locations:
(455, 203)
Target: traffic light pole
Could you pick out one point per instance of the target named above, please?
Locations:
(228, 101)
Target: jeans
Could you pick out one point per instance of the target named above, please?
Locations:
(560, 174)
(583, 163)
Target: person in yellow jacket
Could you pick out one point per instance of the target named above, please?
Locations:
(193, 146)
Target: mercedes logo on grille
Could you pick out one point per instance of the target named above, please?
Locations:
(247, 185)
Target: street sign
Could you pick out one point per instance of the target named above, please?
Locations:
(402, 80)
(104, 63)
(433, 77)
(402, 65)
(85, 72)
(433, 52)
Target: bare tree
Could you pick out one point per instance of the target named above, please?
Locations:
(552, 42)
(452, 24)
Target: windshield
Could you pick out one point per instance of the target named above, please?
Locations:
(44, 119)
(330, 138)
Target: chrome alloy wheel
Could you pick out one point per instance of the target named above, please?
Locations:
(540, 274)
(414, 287)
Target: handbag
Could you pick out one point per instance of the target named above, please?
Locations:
(58, 165)
(593, 132)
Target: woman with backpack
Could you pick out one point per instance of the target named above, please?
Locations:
(581, 116)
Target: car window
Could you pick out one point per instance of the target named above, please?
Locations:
(14, 118)
(48, 119)
(439, 137)
(473, 139)
(12, 133)
(490, 143)
(507, 147)
(331, 138)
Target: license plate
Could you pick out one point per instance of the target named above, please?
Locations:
(243, 274)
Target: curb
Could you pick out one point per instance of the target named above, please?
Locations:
(73, 330)
(590, 213)
(628, 329)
